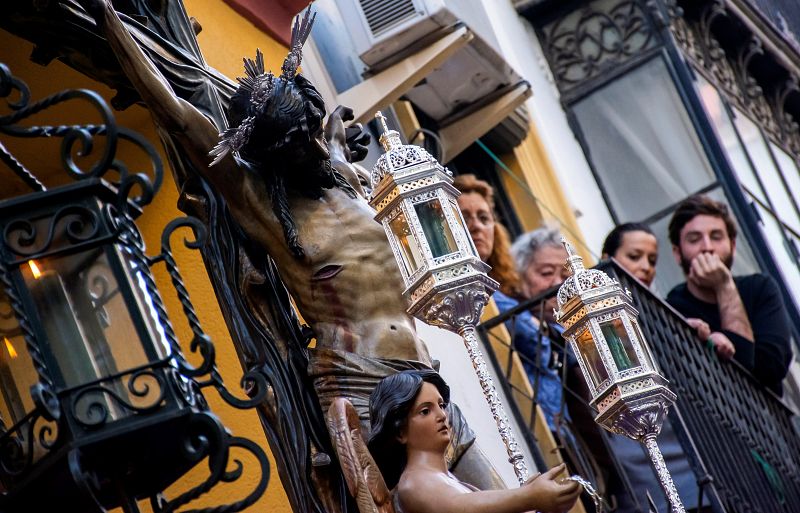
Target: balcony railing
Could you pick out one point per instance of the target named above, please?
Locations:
(783, 15)
(739, 437)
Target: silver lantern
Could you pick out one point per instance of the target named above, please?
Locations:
(629, 394)
(446, 282)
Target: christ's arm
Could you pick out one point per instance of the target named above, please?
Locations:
(173, 114)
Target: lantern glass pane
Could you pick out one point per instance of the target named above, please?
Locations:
(464, 231)
(409, 247)
(86, 314)
(619, 344)
(17, 373)
(437, 230)
(591, 357)
(648, 357)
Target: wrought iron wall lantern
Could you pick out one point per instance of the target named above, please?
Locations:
(628, 392)
(99, 406)
(446, 282)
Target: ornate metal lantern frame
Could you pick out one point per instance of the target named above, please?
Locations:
(72, 268)
(630, 395)
(415, 202)
(447, 284)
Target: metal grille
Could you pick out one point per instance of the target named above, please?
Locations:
(384, 14)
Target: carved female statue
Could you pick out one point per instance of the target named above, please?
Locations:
(410, 433)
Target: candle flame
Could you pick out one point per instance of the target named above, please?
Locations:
(34, 269)
(10, 348)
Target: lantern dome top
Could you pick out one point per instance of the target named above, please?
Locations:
(581, 279)
(399, 156)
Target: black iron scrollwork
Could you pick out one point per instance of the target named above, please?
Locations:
(77, 223)
(790, 129)
(729, 69)
(76, 140)
(206, 438)
(254, 382)
(132, 392)
(590, 41)
(92, 406)
(33, 434)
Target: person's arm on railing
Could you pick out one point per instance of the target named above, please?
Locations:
(709, 273)
(709, 276)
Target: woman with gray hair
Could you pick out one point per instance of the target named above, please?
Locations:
(492, 242)
(540, 258)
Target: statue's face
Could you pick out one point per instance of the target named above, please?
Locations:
(427, 427)
(289, 132)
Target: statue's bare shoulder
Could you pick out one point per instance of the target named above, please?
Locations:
(427, 491)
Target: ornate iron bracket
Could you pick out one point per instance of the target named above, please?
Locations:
(140, 391)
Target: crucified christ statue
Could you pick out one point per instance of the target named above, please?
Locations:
(289, 184)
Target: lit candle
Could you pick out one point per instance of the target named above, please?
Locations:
(65, 337)
(8, 385)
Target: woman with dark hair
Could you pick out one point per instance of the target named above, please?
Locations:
(410, 434)
(635, 247)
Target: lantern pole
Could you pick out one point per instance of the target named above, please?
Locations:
(515, 456)
(459, 311)
(631, 399)
(447, 284)
(664, 477)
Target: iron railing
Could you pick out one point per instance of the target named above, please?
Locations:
(783, 15)
(740, 438)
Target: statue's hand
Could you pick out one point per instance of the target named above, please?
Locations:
(351, 141)
(357, 141)
(546, 492)
(334, 128)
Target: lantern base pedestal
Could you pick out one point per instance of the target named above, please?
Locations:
(634, 408)
(640, 418)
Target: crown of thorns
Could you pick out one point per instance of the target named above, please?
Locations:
(259, 84)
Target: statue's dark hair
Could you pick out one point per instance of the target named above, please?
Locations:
(614, 238)
(279, 149)
(389, 406)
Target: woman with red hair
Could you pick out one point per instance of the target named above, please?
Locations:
(492, 242)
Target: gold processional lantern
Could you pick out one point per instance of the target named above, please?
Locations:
(446, 282)
(629, 394)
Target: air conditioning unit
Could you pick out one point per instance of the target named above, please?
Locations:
(389, 27)
(385, 31)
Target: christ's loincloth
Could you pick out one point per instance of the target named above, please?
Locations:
(354, 377)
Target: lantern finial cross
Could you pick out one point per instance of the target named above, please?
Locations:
(379, 116)
(574, 262)
(390, 139)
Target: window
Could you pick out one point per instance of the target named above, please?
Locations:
(768, 176)
(642, 142)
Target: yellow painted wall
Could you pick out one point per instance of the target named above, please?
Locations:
(225, 39)
(534, 174)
